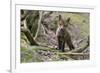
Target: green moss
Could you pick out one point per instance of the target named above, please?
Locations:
(23, 49)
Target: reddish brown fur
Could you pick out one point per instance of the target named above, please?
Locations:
(63, 36)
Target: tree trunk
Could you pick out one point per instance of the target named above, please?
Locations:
(29, 36)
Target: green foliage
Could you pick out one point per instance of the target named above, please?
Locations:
(26, 55)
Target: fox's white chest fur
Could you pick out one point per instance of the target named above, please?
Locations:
(62, 32)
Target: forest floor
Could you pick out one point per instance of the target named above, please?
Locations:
(45, 54)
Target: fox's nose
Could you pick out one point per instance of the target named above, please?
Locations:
(62, 29)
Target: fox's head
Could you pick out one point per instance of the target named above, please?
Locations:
(62, 22)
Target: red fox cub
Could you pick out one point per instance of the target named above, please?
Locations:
(63, 36)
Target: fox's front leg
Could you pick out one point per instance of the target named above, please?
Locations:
(59, 43)
(63, 46)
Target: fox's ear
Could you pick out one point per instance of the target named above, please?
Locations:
(68, 19)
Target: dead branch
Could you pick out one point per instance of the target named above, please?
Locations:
(39, 24)
(76, 54)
